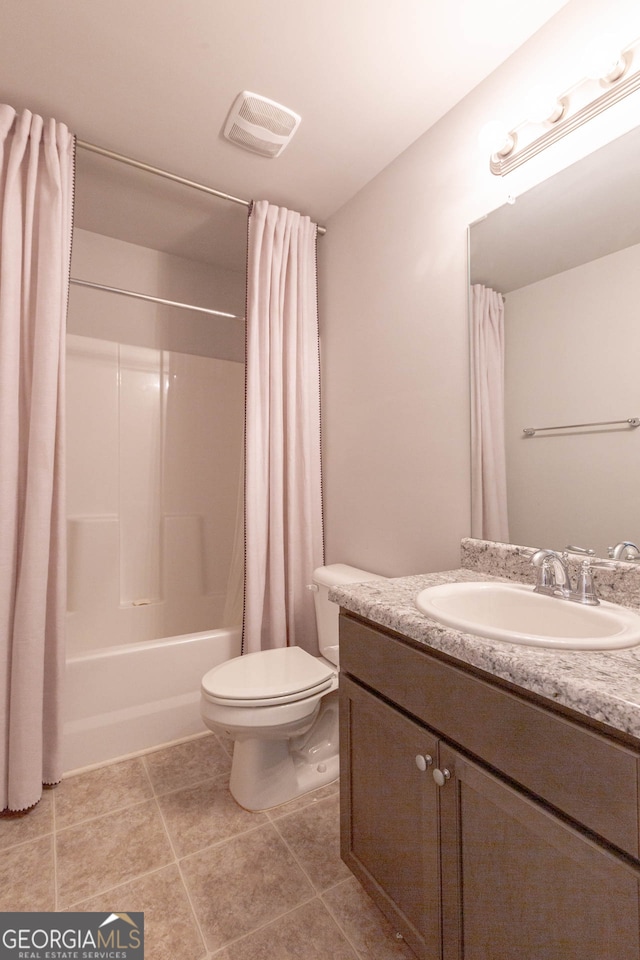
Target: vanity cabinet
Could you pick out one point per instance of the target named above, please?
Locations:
(488, 859)
(390, 813)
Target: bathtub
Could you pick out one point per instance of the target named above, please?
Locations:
(124, 699)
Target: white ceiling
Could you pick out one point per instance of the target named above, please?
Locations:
(154, 79)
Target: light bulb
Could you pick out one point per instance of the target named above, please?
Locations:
(542, 105)
(603, 59)
(495, 139)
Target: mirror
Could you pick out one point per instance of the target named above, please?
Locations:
(566, 257)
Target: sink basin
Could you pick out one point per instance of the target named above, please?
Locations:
(515, 614)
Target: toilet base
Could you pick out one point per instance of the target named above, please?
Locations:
(266, 773)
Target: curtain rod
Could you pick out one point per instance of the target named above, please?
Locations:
(144, 296)
(93, 148)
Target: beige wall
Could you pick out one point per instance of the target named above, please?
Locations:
(393, 310)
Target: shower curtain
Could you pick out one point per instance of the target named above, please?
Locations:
(283, 494)
(488, 467)
(36, 202)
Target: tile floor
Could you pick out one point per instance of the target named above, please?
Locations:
(160, 833)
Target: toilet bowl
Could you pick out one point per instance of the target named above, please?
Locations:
(281, 708)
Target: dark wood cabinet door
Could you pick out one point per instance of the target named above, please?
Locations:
(519, 883)
(389, 822)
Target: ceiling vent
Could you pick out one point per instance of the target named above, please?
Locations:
(260, 125)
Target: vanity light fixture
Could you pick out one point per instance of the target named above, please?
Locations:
(610, 75)
(495, 139)
(542, 106)
(604, 59)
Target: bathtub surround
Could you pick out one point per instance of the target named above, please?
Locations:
(166, 838)
(36, 216)
(155, 402)
(283, 495)
(154, 442)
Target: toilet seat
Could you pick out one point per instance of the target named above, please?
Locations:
(268, 677)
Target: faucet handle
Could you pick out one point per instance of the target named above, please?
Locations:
(585, 587)
(584, 551)
(625, 550)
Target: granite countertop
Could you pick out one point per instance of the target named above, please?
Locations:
(602, 685)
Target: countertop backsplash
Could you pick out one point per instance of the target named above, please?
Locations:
(603, 685)
(619, 583)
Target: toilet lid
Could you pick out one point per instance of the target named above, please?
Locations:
(270, 677)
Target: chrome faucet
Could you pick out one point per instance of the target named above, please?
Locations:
(553, 573)
(554, 579)
(626, 550)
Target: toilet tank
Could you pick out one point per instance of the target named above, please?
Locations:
(327, 613)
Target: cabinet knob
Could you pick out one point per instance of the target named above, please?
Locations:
(423, 760)
(441, 776)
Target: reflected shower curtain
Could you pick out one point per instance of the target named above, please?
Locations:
(488, 468)
(283, 494)
(36, 201)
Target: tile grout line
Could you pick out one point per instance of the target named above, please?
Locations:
(189, 786)
(290, 849)
(193, 912)
(98, 816)
(178, 867)
(24, 843)
(220, 843)
(137, 803)
(101, 816)
(260, 826)
(319, 893)
(263, 926)
(337, 921)
(147, 774)
(123, 883)
(158, 792)
(208, 846)
(295, 858)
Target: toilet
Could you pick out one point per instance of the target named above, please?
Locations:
(281, 708)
